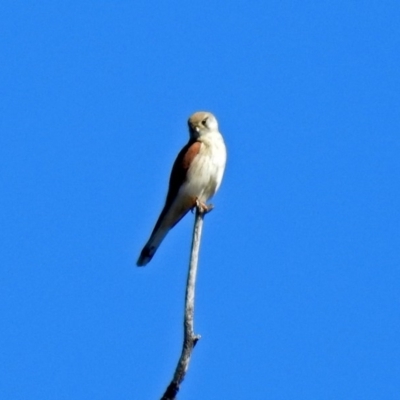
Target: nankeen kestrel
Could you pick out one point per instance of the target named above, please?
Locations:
(195, 177)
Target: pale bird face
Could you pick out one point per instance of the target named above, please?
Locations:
(201, 123)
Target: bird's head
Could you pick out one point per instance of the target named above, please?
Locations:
(201, 123)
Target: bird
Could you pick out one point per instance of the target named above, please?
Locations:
(195, 177)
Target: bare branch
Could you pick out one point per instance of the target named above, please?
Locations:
(189, 338)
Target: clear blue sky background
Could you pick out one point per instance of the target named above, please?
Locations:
(298, 292)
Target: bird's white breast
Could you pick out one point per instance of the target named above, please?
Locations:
(207, 168)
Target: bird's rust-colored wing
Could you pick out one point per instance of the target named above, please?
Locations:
(178, 176)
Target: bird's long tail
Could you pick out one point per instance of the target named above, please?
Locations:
(151, 246)
(169, 217)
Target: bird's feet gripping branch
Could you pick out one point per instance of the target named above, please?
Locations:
(203, 208)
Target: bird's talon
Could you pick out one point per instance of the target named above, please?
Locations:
(203, 207)
(210, 207)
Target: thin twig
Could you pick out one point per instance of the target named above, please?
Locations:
(189, 338)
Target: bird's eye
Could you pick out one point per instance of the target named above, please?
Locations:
(204, 122)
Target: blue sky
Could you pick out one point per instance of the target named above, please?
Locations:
(298, 290)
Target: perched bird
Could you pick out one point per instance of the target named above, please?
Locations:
(195, 177)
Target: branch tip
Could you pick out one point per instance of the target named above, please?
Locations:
(196, 338)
